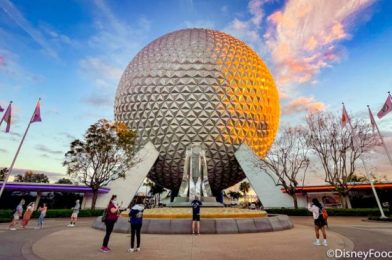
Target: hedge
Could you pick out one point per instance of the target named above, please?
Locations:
(364, 212)
(6, 214)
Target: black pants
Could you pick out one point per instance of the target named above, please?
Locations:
(109, 228)
(135, 230)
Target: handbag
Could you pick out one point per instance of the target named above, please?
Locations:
(104, 215)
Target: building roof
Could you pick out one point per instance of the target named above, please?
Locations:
(352, 186)
(47, 187)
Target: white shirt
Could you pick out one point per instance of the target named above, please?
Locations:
(315, 210)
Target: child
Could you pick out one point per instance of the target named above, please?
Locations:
(74, 216)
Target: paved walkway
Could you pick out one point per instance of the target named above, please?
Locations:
(56, 241)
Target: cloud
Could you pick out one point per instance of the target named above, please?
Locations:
(249, 30)
(200, 24)
(303, 104)
(98, 101)
(44, 148)
(304, 36)
(98, 67)
(12, 70)
(26, 26)
(114, 43)
(67, 135)
(53, 176)
(2, 61)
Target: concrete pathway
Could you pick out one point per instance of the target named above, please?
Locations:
(56, 241)
(84, 243)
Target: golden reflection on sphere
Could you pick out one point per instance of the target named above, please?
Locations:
(199, 86)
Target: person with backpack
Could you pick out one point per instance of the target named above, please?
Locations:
(110, 217)
(136, 219)
(320, 221)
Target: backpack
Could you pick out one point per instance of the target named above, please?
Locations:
(324, 213)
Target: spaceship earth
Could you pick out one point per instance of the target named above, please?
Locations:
(199, 86)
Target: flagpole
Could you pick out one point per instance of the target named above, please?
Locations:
(2, 118)
(16, 155)
(382, 139)
(366, 170)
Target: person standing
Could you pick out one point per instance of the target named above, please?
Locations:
(196, 204)
(42, 215)
(136, 219)
(74, 215)
(18, 213)
(112, 212)
(27, 214)
(319, 221)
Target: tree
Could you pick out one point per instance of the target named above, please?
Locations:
(64, 181)
(155, 190)
(244, 187)
(287, 159)
(339, 148)
(235, 195)
(105, 154)
(3, 172)
(356, 178)
(29, 176)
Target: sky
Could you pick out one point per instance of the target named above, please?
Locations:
(72, 54)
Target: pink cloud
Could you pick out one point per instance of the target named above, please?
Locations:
(304, 36)
(248, 30)
(303, 104)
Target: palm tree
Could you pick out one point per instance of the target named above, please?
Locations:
(155, 190)
(235, 195)
(244, 187)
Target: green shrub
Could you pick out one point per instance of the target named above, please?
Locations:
(331, 212)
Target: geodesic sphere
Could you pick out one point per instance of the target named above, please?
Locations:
(199, 86)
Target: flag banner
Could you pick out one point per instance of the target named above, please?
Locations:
(345, 118)
(386, 108)
(37, 114)
(372, 121)
(7, 118)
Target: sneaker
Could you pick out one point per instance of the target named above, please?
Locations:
(13, 229)
(130, 250)
(317, 243)
(138, 249)
(104, 249)
(69, 225)
(325, 243)
(107, 248)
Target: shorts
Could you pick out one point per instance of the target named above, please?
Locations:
(74, 215)
(320, 222)
(16, 217)
(196, 218)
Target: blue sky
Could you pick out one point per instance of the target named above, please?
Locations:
(72, 54)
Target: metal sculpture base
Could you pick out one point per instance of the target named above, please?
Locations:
(195, 180)
(208, 202)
